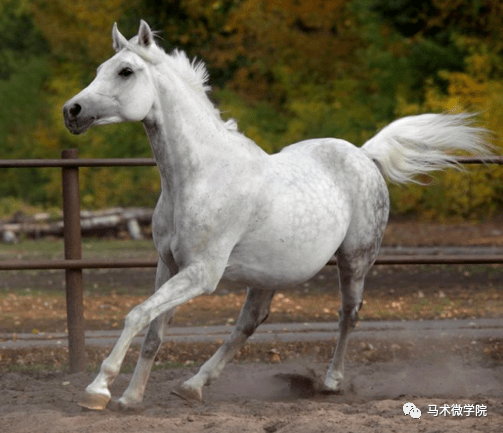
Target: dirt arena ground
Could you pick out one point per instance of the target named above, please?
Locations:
(258, 393)
(261, 398)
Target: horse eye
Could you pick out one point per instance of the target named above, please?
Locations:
(126, 72)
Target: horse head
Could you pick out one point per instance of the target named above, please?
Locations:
(123, 90)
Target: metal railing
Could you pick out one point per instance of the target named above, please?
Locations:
(73, 262)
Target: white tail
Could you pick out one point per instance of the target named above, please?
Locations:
(420, 144)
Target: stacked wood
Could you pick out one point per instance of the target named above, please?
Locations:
(109, 221)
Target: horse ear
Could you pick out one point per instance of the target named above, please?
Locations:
(145, 35)
(119, 41)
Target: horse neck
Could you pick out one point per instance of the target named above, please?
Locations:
(180, 135)
(187, 139)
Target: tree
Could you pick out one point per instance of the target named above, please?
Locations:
(472, 29)
(23, 71)
(287, 70)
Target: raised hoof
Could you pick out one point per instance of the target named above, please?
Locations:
(94, 401)
(189, 394)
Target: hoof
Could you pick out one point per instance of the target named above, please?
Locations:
(120, 406)
(328, 391)
(94, 401)
(331, 388)
(188, 393)
(333, 384)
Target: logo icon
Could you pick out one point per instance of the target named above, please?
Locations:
(412, 410)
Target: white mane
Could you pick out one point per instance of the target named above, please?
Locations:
(194, 72)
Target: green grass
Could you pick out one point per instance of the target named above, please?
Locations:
(91, 249)
(38, 282)
(32, 250)
(35, 368)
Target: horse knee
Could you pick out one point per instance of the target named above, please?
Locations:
(135, 319)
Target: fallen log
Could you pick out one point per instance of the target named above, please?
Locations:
(109, 221)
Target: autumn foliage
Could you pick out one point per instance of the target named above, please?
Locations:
(285, 69)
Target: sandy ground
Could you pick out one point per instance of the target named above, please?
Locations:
(268, 398)
(264, 397)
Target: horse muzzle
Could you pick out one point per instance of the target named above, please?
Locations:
(75, 119)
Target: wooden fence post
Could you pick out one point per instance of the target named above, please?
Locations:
(73, 250)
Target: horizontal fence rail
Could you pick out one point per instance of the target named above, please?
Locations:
(77, 162)
(73, 263)
(493, 159)
(137, 263)
(76, 264)
(426, 259)
(145, 162)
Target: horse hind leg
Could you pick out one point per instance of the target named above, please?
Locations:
(355, 257)
(254, 311)
(353, 268)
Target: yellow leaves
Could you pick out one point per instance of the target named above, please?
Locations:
(9, 206)
(465, 91)
(311, 39)
(485, 14)
(406, 199)
(479, 65)
(305, 112)
(45, 136)
(21, 7)
(466, 193)
(78, 27)
(405, 108)
(313, 14)
(201, 8)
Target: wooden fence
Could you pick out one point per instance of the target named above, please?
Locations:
(72, 227)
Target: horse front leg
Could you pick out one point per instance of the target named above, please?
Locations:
(133, 395)
(190, 282)
(254, 311)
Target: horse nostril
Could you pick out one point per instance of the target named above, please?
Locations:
(75, 110)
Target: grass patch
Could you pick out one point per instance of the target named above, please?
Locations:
(33, 250)
(37, 368)
(92, 248)
(95, 248)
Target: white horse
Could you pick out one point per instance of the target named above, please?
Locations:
(229, 210)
